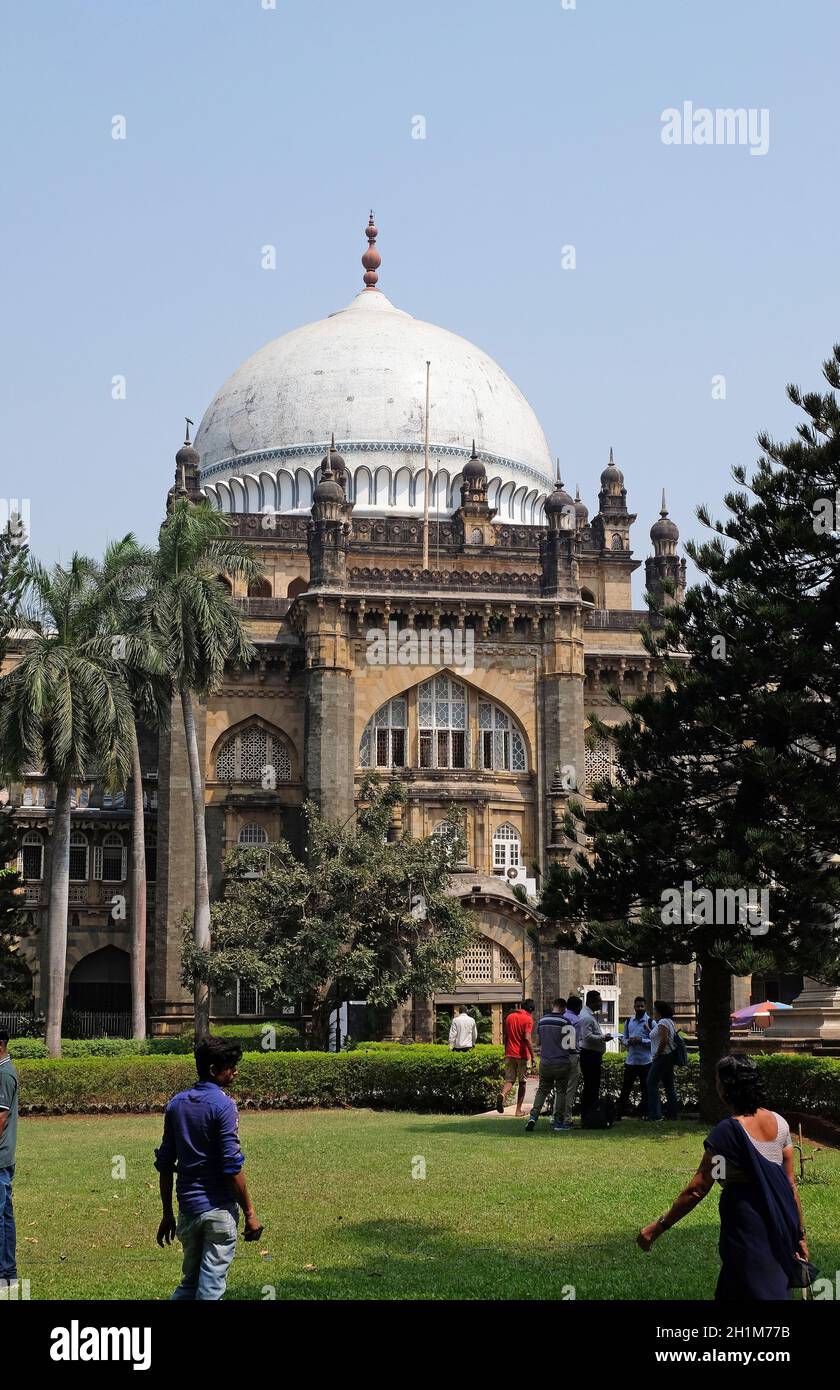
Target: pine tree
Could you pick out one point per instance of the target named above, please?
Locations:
(729, 780)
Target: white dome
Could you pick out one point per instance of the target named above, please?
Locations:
(362, 374)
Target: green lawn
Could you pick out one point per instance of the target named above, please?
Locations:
(498, 1215)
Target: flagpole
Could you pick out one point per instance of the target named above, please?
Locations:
(426, 479)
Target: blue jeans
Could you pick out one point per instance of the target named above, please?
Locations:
(8, 1267)
(662, 1074)
(209, 1241)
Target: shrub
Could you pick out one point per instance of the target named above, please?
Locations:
(427, 1078)
(249, 1035)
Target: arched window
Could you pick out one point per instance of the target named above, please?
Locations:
(78, 857)
(501, 747)
(485, 962)
(253, 835)
(259, 588)
(254, 755)
(297, 586)
(617, 543)
(109, 859)
(442, 720)
(32, 857)
(384, 739)
(507, 847)
(587, 595)
(223, 580)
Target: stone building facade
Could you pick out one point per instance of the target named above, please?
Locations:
(501, 612)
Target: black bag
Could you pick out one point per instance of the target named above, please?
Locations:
(680, 1050)
(601, 1115)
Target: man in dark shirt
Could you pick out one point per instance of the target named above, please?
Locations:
(201, 1144)
(559, 1068)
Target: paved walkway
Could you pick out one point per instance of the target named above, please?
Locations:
(510, 1109)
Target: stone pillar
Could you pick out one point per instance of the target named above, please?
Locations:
(815, 1014)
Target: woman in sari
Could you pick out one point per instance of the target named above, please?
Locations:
(762, 1233)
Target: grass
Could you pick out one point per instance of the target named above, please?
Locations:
(499, 1214)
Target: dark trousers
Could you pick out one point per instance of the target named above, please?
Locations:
(590, 1070)
(633, 1072)
(661, 1073)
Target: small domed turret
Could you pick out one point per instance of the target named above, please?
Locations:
(474, 470)
(612, 478)
(560, 505)
(664, 533)
(581, 511)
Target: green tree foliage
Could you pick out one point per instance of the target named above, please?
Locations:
(730, 778)
(362, 918)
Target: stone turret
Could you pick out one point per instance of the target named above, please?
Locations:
(664, 566)
(328, 535)
(473, 519)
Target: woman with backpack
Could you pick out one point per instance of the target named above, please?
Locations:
(664, 1045)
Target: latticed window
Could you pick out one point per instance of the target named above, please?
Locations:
(253, 835)
(442, 719)
(508, 971)
(78, 857)
(486, 963)
(253, 755)
(384, 739)
(501, 747)
(507, 847)
(599, 764)
(477, 964)
(109, 859)
(32, 857)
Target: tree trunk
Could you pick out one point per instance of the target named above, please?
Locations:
(138, 896)
(57, 923)
(713, 1026)
(201, 911)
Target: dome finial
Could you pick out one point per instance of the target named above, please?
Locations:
(371, 260)
(664, 508)
(187, 433)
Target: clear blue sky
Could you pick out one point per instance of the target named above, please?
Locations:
(248, 126)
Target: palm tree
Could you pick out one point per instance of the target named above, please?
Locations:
(125, 577)
(64, 707)
(200, 628)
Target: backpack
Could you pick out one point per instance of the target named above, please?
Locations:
(680, 1050)
(601, 1115)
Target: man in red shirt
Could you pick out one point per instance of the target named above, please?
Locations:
(518, 1052)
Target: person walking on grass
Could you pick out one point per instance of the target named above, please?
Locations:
(201, 1144)
(518, 1053)
(463, 1035)
(762, 1245)
(663, 1046)
(559, 1068)
(592, 1044)
(8, 1140)
(635, 1036)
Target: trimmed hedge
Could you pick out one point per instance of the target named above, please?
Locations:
(412, 1076)
(272, 1080)
(249, 1035)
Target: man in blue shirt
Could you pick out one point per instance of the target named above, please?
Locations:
(635, 1037)
(8, 1139)
(201, 1144)
(559, 1068)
